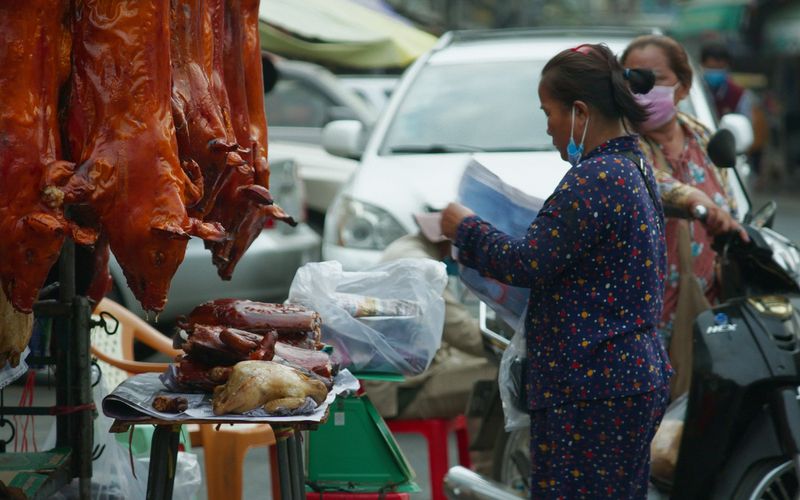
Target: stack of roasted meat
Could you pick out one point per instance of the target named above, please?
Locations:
(253, 355)
(132, 125)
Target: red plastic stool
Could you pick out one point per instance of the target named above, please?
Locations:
(338, 495)
(435, 431)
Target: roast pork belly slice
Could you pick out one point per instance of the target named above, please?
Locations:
(223, 346)
(195, 375)
(294, 324)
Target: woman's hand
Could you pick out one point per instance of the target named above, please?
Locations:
(452, 217)
(718, 221)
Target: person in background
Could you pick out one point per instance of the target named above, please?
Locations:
(675, 144)
(730, 97)
(594, 260)
(442, 391)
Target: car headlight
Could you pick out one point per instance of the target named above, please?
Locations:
(355, 224)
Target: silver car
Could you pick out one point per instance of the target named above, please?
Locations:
(264, 273)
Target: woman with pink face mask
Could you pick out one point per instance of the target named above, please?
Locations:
(675, 144)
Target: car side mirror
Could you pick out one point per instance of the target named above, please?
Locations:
(741, 128)
(344, 138)
(341, 113)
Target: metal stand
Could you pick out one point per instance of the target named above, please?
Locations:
(163, 462)
(72, 323)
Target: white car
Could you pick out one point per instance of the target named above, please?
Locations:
(374, 89)
(475, 93)
(304, 99)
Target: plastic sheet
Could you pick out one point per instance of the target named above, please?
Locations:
(509, 210)
(403, 344)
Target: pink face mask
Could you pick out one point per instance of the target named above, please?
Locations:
(660, 103)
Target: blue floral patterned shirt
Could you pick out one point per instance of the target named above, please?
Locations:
(595, 261)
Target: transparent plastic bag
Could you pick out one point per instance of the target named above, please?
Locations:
(403, 344)
(509, 210)
(112, 476)
(511, 379)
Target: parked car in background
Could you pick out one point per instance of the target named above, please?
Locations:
(265, 272)
(374, 89)
(475, 93)
(304, 99)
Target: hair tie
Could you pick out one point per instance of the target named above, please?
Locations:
(583, 48)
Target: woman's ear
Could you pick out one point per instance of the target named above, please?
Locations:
(581, 110)
(681, 92)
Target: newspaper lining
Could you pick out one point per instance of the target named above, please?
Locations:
(132, 400)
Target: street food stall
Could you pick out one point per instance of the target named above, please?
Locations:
(131, 127)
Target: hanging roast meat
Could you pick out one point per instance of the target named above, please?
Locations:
(121, 133)
(241, 206)
(34, 57)
(294, 324)
(15, 331)
(273, 386)
(199, 100)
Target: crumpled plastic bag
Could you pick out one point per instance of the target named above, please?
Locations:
(511, 379)
(112, 476)
(404, 339)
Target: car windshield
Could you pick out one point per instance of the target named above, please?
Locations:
(489, 106)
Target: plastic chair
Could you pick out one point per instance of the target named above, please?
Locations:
(224, 449)
(435, 431)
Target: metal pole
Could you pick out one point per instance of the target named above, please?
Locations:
(298, 474)
(284, 468)
(163, 462)
(83, 438)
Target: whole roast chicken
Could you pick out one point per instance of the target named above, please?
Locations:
(121, 133)
(34, 57)
(267, 384)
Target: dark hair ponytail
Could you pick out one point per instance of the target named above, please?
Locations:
(591, 73)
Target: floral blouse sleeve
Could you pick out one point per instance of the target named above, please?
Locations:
(565, 227)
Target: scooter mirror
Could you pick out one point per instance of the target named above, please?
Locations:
(722, 148)
(741, 128)
(764, 216)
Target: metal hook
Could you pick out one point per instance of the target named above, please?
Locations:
(95, 364)
(4, 442)
(104, 323)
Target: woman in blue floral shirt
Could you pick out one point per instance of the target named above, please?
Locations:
(594, 260)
